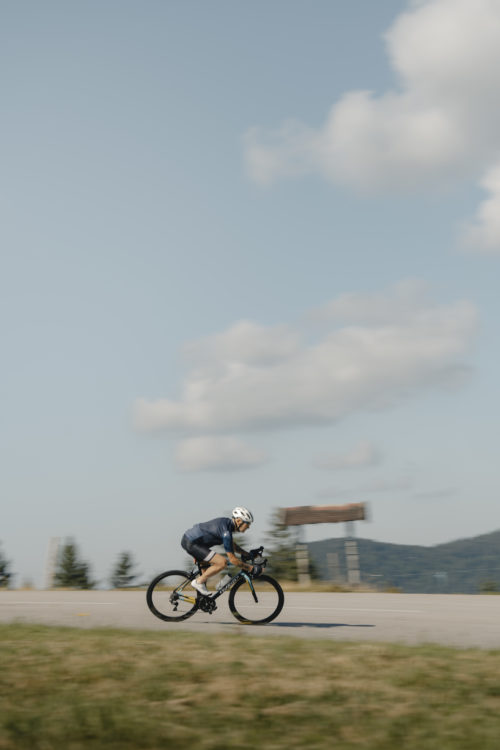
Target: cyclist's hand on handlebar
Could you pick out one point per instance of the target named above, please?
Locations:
(252, 554)
(256, 552)
(256, 570)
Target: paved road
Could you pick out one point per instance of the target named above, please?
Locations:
(405, 618)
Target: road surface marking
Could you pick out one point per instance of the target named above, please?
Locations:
(354, 609)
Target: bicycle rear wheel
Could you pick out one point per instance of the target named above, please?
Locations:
(261, 608)
(170, 597)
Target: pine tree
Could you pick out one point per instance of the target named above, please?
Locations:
(72, 572)
(5, 574)
(122, 575)
(281, 549)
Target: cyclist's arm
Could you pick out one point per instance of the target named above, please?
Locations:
(230, 548)
(239, 549)
(239, 563)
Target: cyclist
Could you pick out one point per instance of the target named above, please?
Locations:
(198, 540)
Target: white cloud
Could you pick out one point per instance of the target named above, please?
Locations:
(363, 454)
(379, 486)
(235, 388)
(444, 494)
(400, 303)
(245, 342)
(217, 453)
(442, 122)
(483, 235)
(290, 152)
(389, 485)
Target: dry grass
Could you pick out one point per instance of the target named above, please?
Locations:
(73, 689)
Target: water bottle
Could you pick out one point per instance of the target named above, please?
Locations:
(223, 582)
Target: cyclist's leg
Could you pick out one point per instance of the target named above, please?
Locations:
(210, 562)
(216, 564)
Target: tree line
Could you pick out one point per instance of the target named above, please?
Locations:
(72, 571)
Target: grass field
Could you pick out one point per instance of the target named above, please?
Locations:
(122, 690)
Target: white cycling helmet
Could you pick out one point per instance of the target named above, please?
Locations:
(244, 514)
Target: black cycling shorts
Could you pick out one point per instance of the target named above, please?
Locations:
(197, 549)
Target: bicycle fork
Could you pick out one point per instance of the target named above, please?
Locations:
(250, 583)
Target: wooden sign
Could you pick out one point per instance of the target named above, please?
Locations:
(303, 514)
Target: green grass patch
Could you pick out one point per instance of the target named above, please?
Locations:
(128, 690)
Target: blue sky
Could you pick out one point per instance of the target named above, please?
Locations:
(249, 255)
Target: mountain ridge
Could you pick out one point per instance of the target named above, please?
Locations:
(467, 565)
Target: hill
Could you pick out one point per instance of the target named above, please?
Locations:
(464, 566)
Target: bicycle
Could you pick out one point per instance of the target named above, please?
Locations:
(253, 599)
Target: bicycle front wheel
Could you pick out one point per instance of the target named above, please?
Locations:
(258, 602)
(170, 596)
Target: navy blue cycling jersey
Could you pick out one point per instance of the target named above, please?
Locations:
(216, 531)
